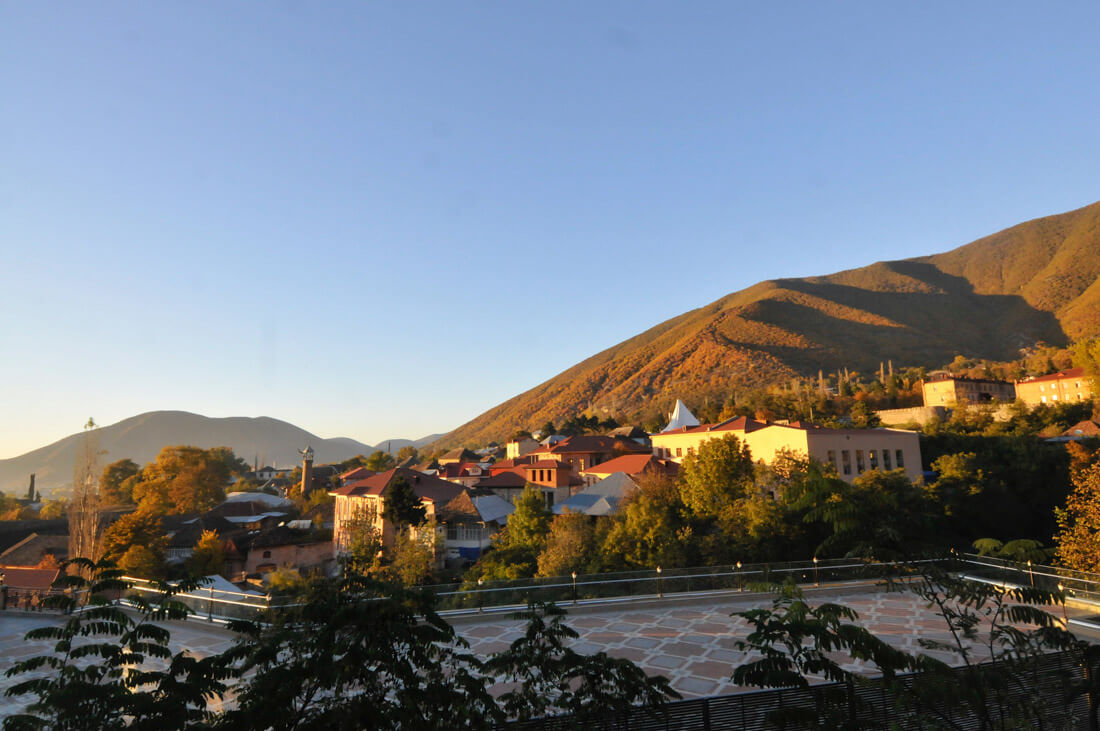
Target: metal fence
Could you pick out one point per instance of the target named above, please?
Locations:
(626, 586)
(869, 703)
(207, 602)
(655, 584)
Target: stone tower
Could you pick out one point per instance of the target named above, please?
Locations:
(307, 470)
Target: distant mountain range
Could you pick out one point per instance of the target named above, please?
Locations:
(263, 439)
(1038, 281)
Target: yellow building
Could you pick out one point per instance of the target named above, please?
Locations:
(1071, 385)
(852, 451)
(948, 390)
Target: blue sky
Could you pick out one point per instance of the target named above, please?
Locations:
(380, 219)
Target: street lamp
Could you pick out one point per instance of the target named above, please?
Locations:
(574, 588)
(1062, 591)
(817, 580)
(1030, 573)
(740, 586)
(660, 594)
(480, 601)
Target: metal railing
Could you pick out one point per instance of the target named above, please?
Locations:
(207, 602)
(655, 584)
(871, 703)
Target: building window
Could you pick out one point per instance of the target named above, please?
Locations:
(679, 452)
(452, 532)
(886, 459)
(900, 458)
(846, 461)
(267, 554)
(859, 461)
(831, 457)
(872, 455)
(1055, 397)
(550, 500)
(691, 450)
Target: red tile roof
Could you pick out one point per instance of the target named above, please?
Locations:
(1070, 373)
(359, 473)
(633, 464)
(425, 486)
(547, 464)
(22, 577)
(587, 443)
(504, 480)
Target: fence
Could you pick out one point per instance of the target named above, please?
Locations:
(208, 602)
(912, 702)
(655, 584)
(221, 604)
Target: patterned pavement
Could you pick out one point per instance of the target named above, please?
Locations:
(692, 643)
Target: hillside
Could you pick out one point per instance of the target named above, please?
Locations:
(141, 437)
(1037, 281)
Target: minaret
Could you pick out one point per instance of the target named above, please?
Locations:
(307, 470)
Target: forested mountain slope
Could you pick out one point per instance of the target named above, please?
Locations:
(1037, 281)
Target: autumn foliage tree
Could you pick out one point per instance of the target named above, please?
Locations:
(1078, 539)
(185, 480)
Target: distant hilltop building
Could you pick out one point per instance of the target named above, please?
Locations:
(947, 390)
(1070, 385)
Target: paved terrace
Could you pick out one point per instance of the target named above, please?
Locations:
(690, 640)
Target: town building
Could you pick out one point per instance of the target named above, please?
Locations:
(367, 499)
(471, 519)
(851, 451)
(586, 451)
(1071, 385)
(519, 447)
(632, 465)
(945, 389)
(601, 498)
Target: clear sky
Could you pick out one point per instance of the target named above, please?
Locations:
(378, 219)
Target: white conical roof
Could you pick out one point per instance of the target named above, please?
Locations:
(681, 417)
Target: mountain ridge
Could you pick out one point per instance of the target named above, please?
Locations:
(1037, 281)
(141, 437)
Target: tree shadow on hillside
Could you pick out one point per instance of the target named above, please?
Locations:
(935, 325)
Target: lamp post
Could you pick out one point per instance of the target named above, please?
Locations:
(1065, 617)
(574, 588)
(660, 594)
(480, 602)
(817, 580)
(740, 585)
(3, 592)
(1030, 573)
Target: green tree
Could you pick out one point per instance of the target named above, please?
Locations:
(1086, 354)
(408, 452)
(880, 515)
(52, 509)
(862, 416)
(719, 473)
(414, 553)
(545, 677)
(403, 506)
(208, 557)
(112, 668)
(570, 545)
(115, 486)
(650, 528)
(379, 461)
(530, 522)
